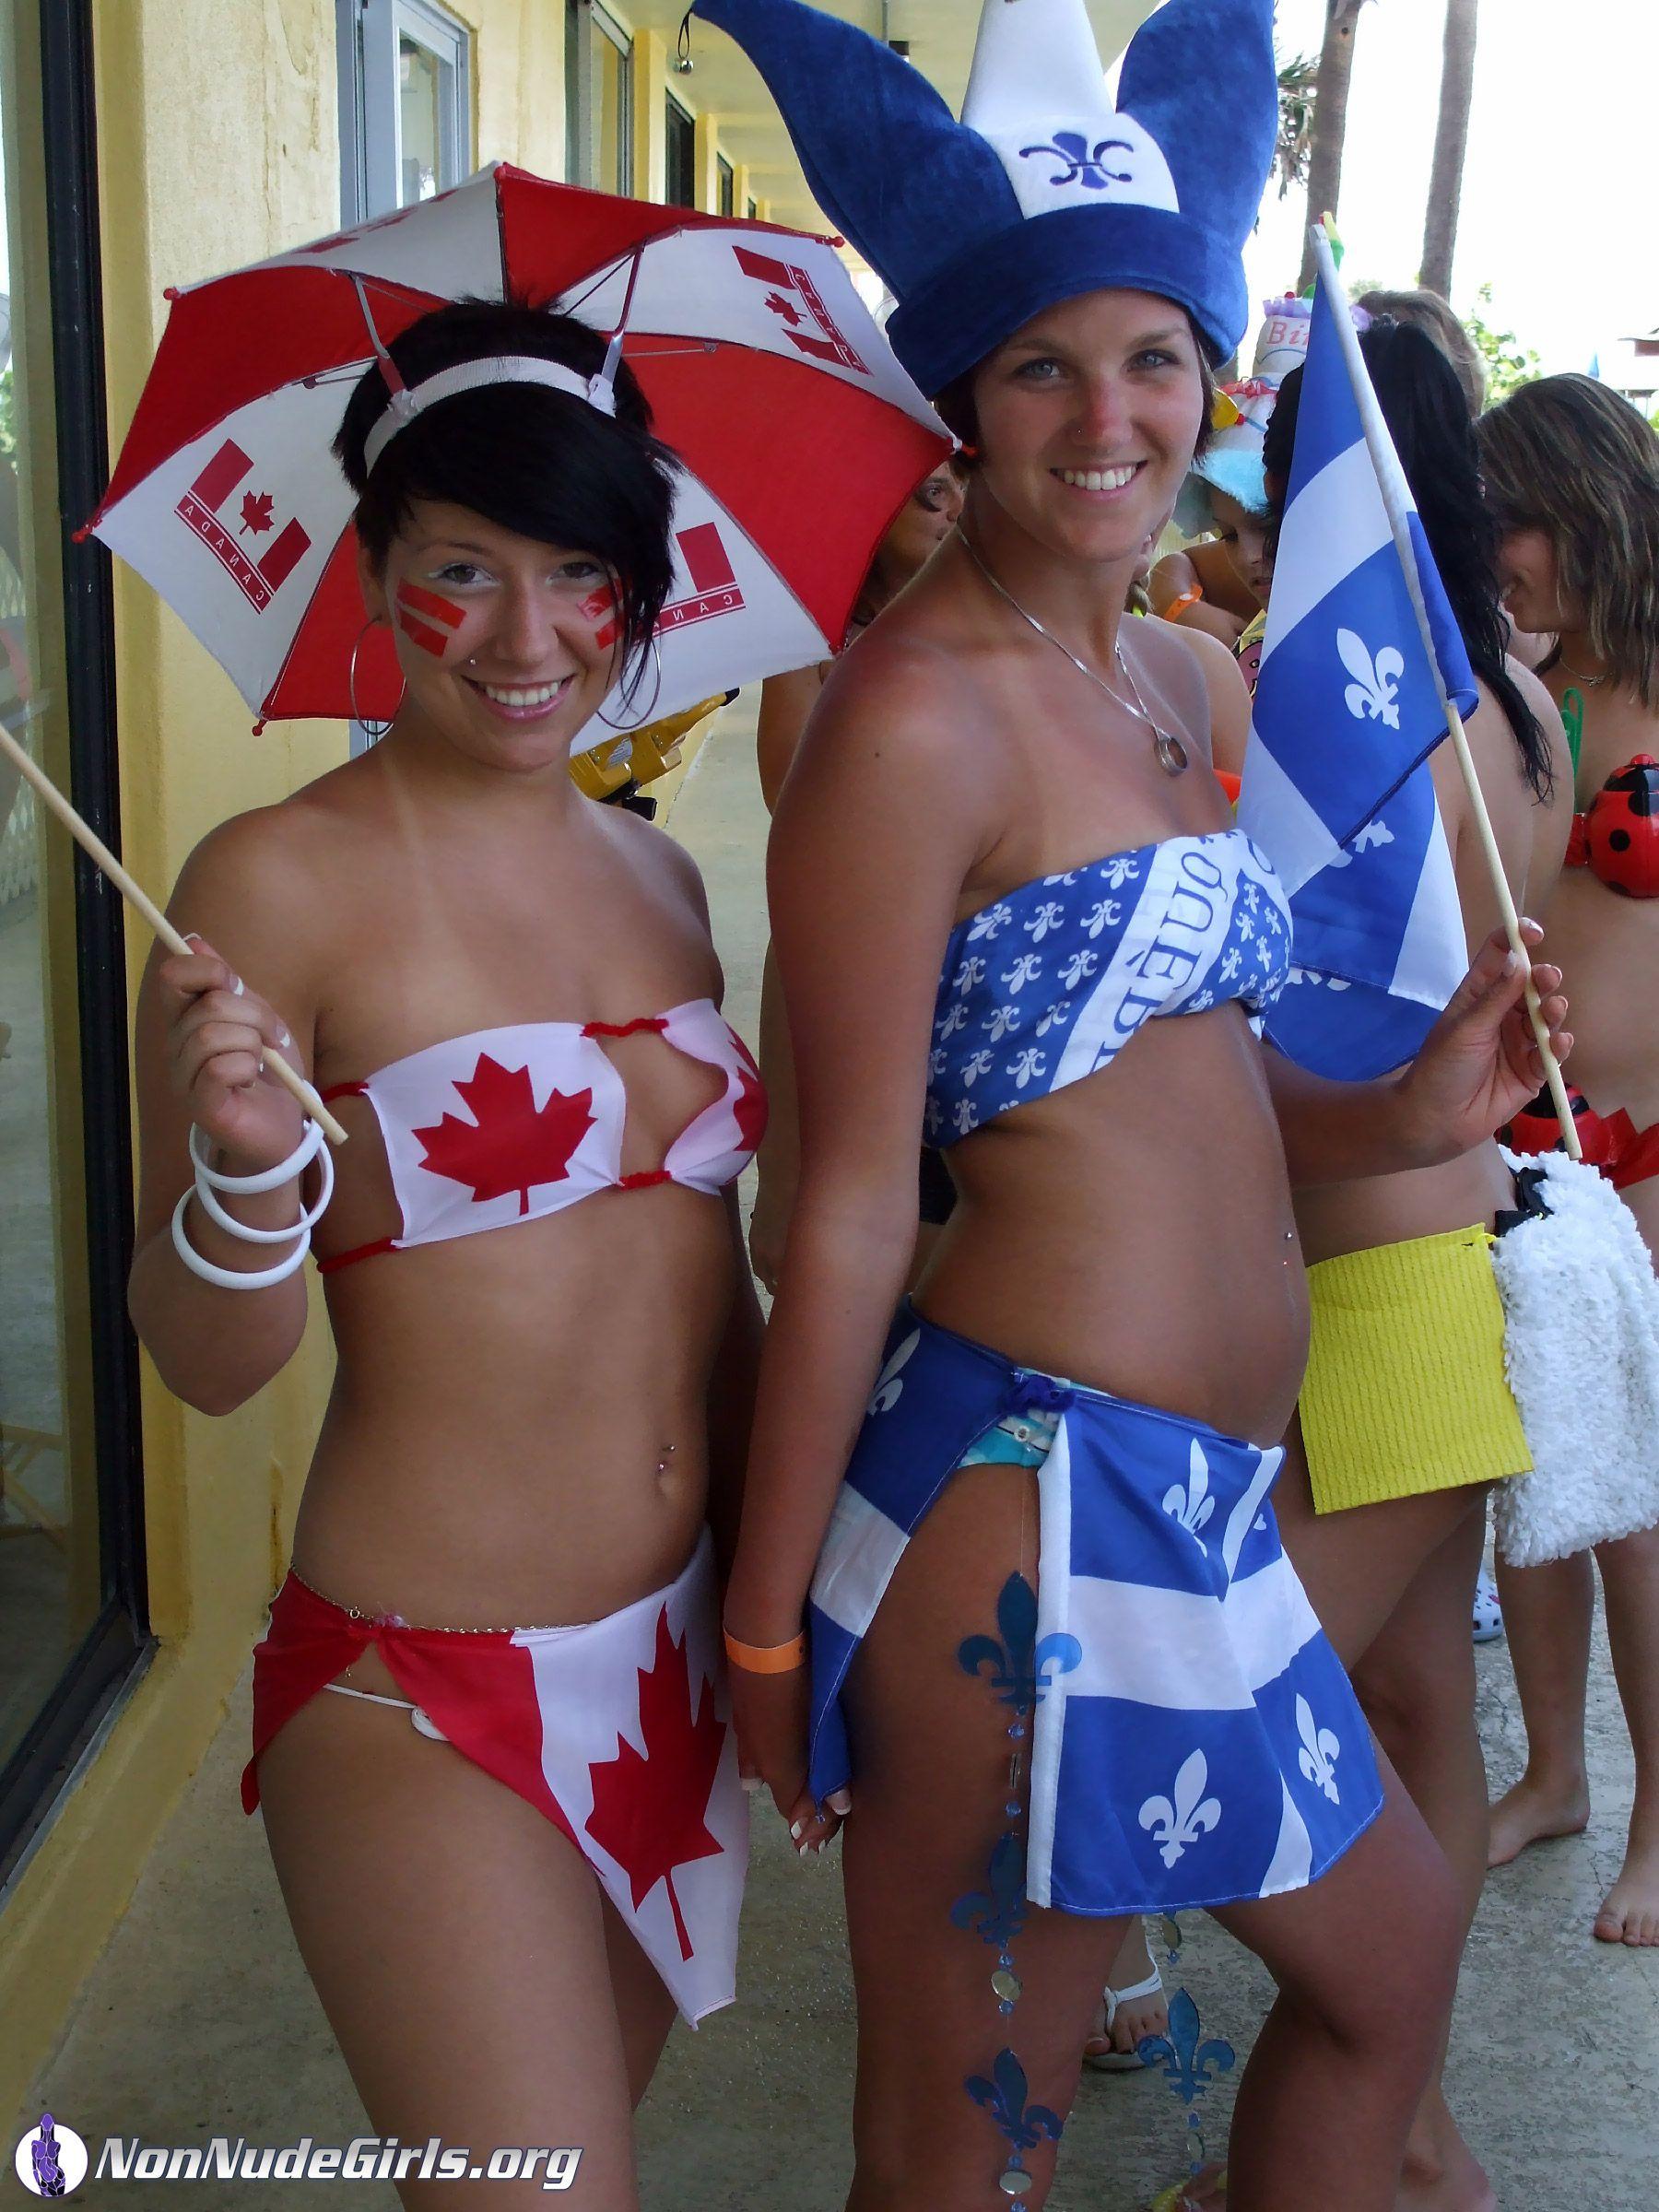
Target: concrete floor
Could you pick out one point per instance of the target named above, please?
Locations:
(200, 2020)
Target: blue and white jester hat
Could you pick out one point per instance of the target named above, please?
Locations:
(1045, 190)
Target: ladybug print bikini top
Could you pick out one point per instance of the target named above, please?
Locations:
(1616, 837)
(511, 1124)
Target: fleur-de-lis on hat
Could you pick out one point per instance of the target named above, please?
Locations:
(1376, 684)
(1081, 166)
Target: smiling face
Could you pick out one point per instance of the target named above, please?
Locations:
(1088, 420)
(508, 646)
(1529, 577)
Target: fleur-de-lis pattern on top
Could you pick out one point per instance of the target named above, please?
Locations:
(1177, 1822)
(1376, 684)
(1020, 1666)
(1320, 1751)
(1004, 2096)
(1082, 165)
(976, 1065)
(1193, 1507)
(1189, 2061)
(1090, 954)
(990, 924)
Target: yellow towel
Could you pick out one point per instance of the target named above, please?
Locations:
(1405, 1391)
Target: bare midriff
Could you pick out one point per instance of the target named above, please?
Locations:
(1135, 1233)
(1607, 948)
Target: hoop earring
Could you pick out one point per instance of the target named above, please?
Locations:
(630, 689)
(373, 731)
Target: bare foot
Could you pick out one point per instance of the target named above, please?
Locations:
(1441, 2173)
(1630, 1912)
(1532, 1813)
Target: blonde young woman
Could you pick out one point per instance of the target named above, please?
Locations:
(1572, 474)
(499, 1787)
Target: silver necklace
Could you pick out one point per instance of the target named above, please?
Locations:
(1172, 756)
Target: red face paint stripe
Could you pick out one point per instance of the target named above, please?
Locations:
(602, 603)
(430, 641)
(428, 603)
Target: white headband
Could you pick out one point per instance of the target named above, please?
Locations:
(405, 403)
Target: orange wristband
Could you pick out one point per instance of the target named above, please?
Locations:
(767, 1659)
(1177, 607)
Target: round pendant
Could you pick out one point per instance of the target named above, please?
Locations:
(1172, 756)
(1006, 1985)
(1017, 2182)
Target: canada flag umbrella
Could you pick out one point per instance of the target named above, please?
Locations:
(800, 435)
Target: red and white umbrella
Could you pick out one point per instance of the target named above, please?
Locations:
(800, 434)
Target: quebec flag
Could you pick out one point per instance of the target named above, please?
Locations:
(1349, 706)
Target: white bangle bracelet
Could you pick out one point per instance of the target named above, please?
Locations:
(215, 1210)
(232, 1279)
(270, 1178)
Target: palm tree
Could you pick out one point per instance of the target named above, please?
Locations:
(1451, 143)
(1296, 79)
(1330, 117)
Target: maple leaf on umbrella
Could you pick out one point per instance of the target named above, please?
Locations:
(510, 1143)
(648, 1808)
(256, 510)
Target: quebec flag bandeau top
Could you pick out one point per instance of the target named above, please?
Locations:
(1046, 188)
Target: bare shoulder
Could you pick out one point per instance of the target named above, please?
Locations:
(1188, 667)
(657, 854)
(900, 708)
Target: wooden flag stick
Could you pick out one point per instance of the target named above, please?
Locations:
(94, 847)
(1387, 467)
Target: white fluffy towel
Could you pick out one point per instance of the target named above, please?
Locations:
(1582, 1352)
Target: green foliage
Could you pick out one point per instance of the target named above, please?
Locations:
(1296, 81)
(1508, 363)
(8, 417)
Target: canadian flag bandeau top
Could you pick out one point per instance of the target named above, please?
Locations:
(512, 1124)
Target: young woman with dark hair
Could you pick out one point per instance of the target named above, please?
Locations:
(1572, 477)
(1383, 1501)
(508, 1851)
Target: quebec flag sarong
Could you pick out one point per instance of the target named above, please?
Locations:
(1195, 1740)
(1349, 706)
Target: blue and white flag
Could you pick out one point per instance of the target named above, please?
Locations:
(1360, 657)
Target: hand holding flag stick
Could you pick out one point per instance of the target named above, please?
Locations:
(1387, 467)
(135, 896)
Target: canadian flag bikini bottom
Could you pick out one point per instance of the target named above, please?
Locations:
(619, 1732)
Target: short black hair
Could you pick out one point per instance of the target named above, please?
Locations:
(542, 462)
(1426, 410)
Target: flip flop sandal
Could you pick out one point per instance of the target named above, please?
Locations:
(1175, 2198)
(1488, 1612)
(1121, 2062)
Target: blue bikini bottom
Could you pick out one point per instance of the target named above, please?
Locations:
(1195, 1741)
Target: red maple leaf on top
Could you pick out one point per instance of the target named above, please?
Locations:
(648, 1809)
(510, 1143)
(256, 512)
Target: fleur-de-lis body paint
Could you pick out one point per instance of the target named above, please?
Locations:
(428, 620)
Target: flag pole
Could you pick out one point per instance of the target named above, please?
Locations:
(88, 839)
(1380, 447)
